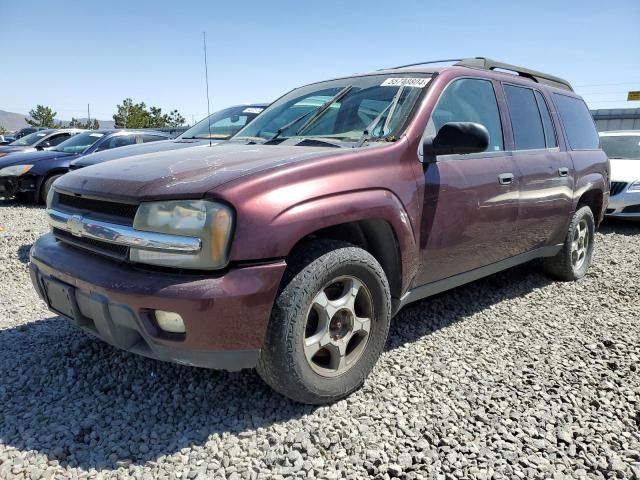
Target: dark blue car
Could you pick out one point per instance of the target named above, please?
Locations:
(30, 175)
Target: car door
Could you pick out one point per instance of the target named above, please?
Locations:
(471, 201)
(546, 172)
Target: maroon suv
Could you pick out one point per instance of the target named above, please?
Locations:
(291, 247)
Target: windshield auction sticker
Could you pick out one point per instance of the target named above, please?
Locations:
(418, 82)
(252, 110)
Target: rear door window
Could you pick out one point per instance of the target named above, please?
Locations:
(117, 141)
(526, 122)
(58, 139)
(578, 123)
(469, 100)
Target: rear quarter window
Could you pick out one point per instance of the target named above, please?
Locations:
(577, 121)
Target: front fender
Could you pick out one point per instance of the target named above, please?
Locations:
(286, 228)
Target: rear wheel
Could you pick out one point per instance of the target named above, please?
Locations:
(329, 323)
(46, 186)
(574, 259)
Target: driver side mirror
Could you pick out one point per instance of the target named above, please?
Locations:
(455, 138)
(44, 145)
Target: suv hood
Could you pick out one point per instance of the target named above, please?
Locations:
(31, 157)
(185, 173)
(138, 149)
(625, 170)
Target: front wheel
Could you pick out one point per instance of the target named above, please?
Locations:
(574, 259)
(329, 323)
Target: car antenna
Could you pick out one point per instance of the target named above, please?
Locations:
(206, 76)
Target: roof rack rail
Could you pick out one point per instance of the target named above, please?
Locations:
(425, 63)
(488, 64)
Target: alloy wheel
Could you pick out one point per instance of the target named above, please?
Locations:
(338, 325)
(580, 244)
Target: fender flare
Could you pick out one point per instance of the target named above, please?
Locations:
(291, 225)
(591, 182)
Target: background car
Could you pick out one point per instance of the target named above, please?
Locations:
(218, 127)
(40, 140)
(6, 139)
(31, 174)
(623, 150)
(27, 130)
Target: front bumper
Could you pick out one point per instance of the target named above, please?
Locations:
(225, 316)
(9, 186)
(624, 205)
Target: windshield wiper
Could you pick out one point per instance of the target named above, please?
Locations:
(366, 133)
(316, 114)
(286, 126)
(323, 108)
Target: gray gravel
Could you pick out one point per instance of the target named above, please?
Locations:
(511, 377)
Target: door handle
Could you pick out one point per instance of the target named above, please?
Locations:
(563, 171)
(505, 178)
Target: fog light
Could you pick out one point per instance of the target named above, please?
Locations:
(170, 321)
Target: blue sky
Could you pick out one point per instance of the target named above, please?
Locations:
(67, 54)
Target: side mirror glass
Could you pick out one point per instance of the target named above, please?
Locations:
(455, 138)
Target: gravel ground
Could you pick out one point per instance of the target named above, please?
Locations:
(511, 377)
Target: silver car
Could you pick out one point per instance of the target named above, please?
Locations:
(39, 140)
(623, 149)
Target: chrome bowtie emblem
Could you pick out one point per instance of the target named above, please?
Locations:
(74, 224)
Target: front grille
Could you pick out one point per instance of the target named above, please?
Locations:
(616, 188)
(123, 212)
(119, 252)
(631, 209)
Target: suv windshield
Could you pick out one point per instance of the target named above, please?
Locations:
(222, 125)
(79, 143)
(621, 147)
(381, 103)
(31, 139)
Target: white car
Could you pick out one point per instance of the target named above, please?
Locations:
(623, 149)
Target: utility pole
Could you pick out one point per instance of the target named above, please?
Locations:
(88, 115)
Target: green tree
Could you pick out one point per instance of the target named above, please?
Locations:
(42, 117)
(136, 115)
(88, 125)
(174, 119)
(3, 130)
(156, 118)
(131, 115)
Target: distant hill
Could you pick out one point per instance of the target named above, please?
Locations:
(15, 121)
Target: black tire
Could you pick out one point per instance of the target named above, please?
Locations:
(24, 197)
(46, 186)
(282, 363)
(562, 266)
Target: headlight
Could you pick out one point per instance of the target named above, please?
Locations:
(634, 187)
(211, 222)
(15, 170)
